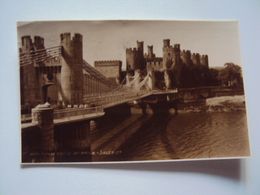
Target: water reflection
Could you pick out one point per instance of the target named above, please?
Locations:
(184, 136)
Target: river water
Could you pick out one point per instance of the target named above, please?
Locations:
(182, 136)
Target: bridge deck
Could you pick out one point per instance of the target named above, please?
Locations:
(68, 119)
(74, 115)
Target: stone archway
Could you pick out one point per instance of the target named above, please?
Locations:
(48, 81)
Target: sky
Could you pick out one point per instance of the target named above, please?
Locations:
(108, 40)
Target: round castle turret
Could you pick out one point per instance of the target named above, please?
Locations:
(71, 71)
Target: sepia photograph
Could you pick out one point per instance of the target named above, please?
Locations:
(131, 91)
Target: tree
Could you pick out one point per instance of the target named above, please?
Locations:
(213, 79)
(231, 75)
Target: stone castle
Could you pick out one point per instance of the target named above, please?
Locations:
(168, 70)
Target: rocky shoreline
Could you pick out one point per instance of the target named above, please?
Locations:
(226, 104)
(216, 104)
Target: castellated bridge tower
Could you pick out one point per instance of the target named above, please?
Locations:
(38, 43)
(71, 83)
(29, 79)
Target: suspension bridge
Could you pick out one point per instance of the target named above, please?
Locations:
(78, 98)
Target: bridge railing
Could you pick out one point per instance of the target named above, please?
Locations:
(72, 112)
(26, 118)
(116, 97)
(40, 55)
(68, 113)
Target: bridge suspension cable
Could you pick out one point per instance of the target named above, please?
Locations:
(116, 93)
(143, 82)
(120, 94)
(38, 56)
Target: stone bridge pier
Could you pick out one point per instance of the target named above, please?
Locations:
(42, 115)
(73, 141)
(50, 140)
(160, 104)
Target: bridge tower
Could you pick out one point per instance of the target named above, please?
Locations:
(30, 93)
(71, 83)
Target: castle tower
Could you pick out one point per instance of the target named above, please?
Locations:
(167, 54)
(150, 55)
(140, 54)
(71, 83)
(131, 60)
(195, 59)
(135, 58)
(30, 90)
(166, 43)
(140, 47)
(204, 60)
(177, 55)
(169, 61)
(186, 57)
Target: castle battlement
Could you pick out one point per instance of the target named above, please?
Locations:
(135, 57)
(204, 60)
(131, 50)
(172, 56)
(77, 38)
(29, 44)
(140, 45)
(177, 46)
(26, 41)
(186, 52)
(66, 37)
(38, 42)
(166, 43)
